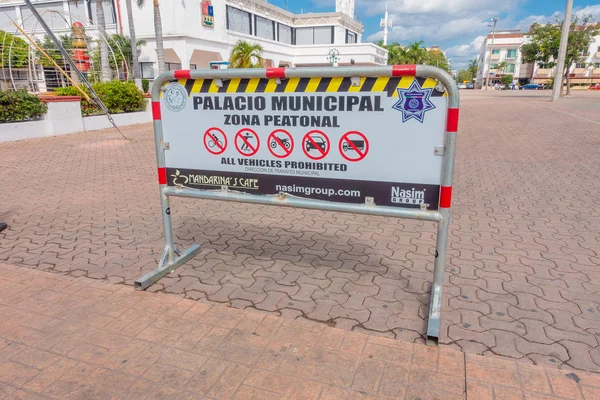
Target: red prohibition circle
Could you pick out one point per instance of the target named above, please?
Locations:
(349, 145)
(279, 144)
(308, 141)
(253, 150)
(216, 148)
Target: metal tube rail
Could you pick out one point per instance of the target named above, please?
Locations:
(172, 258)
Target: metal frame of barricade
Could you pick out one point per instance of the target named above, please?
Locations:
(172, 258)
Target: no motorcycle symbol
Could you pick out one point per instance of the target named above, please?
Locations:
(281, 143)
(247, 142)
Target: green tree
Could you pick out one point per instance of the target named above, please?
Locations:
(507, 80)
(122, 48)
(473, 67)
(415, 54)
(501, 66)
(14, 51)
(464, 75)
(437, 58)
(545, 43)
(246, 55)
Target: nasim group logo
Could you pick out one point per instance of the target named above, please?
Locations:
(414, 102)
(404, 196)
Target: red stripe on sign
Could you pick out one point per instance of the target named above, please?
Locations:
(446, 197)
(275, 73)
(404, 70)
(182, 74)
(162, 176)
(156, 111)
(452, 125)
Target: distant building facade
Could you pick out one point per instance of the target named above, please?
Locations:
(507, 48)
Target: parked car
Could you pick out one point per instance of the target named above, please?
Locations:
(462, 86)
(470, 86)
(595, 86)
(532, 86)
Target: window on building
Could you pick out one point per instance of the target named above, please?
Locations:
(7, 16)
(193, 66)
(596, 65)
(316, 35)
(264, 28)
(239, 21)
(109, 11)
(285, 34)
(51, 13)
(495, 51)
(77, 11)
(173, 66)
(493, 66)
(351, 37)
(147, 70)
(511, 53)
(510, 69)
(580, 65)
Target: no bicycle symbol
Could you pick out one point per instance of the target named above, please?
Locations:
(315, 145)
(247, 142)
(215, 141)
(281, 143)
(354, 146)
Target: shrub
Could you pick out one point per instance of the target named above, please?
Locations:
(145, 85)
(117, 96)
(20, 106)
(507, 80)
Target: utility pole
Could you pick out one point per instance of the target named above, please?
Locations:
(386, 23)
(487, 75)
(562, 53)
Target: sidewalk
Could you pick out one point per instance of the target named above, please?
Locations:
(77, 338)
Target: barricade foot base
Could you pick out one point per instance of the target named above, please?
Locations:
(433, 323)
(170, 261)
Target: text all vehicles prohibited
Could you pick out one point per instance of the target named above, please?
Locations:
(281, 143)
(354, 146)
(247, 142)
(316, 145)
(215, 141)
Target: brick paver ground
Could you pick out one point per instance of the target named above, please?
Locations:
(76, 338)
(523, 263)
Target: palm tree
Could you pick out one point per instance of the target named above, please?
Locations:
(135, 64)
(416, 54)
(106, 74)
(502, 66)
(246, 55)
(160, 50)
(122, 45)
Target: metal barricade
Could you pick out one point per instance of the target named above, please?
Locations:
(366, 140)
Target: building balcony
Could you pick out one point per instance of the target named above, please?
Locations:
(495, 57)
(597, 56)
(580, 72)
(543, 72)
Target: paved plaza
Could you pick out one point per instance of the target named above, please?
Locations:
(523, 271)
(68, 338)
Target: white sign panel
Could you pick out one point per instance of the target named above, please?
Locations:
(319, 138)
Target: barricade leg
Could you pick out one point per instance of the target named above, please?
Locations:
(435, 304)
(172, 258)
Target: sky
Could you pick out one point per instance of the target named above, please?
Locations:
(457, 26)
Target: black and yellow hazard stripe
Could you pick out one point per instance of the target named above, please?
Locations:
(388, 85)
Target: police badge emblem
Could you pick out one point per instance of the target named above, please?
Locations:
(414, 102)
(175, 97)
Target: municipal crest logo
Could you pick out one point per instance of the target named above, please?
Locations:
(175, 97)
(414, 102)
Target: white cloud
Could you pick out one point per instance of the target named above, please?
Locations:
(461, 54)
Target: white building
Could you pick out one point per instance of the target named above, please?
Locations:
(287, 39)
(507, 48)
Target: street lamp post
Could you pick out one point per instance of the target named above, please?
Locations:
(487, 75)
(562, 53)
